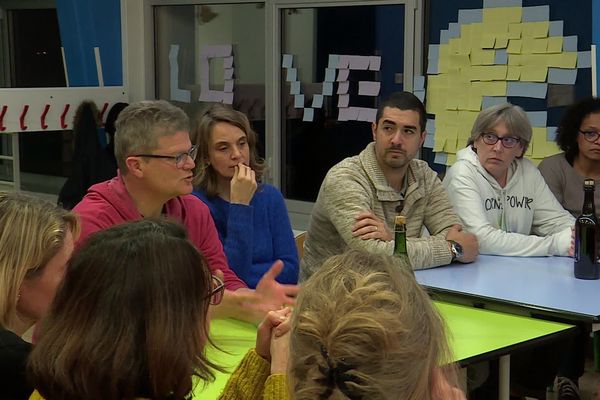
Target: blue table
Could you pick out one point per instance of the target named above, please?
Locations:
(536, 284)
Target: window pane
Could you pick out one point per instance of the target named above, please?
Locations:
(341, 127)
(219, 50)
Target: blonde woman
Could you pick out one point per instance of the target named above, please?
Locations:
(364, 329)
(36, 241)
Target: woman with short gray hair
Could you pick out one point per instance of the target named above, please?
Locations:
(501, 196)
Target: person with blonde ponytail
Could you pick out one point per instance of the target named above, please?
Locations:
(364, 329)
(36, 241)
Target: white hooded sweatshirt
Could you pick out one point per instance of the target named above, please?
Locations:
(521, 219)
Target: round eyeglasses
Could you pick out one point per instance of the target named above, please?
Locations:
(217, 290)
(179, 159)
(590, 136)
(507, 141)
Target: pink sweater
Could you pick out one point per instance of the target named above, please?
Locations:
(108, 203)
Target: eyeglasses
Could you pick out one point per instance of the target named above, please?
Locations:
(216, 293)
(180, 159)
(507, 141)
(590, 136)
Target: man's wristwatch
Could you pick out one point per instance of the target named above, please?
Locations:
(456, 249)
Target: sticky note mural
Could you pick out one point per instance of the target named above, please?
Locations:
(491, 54)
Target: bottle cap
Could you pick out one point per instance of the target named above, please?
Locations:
(400, 219)
(588, 183)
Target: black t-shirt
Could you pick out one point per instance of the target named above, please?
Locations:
(13, 359)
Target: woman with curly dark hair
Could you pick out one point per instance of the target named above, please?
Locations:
(578, 136)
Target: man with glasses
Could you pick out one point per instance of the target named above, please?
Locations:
(361, 196)
(501, 196)
(155, 158)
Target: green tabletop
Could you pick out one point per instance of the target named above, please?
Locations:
(474, 335)
(477, 334)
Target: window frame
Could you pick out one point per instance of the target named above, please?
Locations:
(143, 85)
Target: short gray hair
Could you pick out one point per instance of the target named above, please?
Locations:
(513, 116)
(141, 124)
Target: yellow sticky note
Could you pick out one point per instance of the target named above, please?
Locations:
(528, 45)
(474, 102)
(483, 57)
(514, 46)
(514, 31)
(450, 145)
(562, 60)
(436, 98)
(534, 74)
(502, 14)
(494, 88)
(459, 60)
(501, 41)
(535, 60)
(515, 59)
(551, 149)
(487, 40)
(451, 159)
(466, 119)
(513, 73)
(540, 45)
(439, 142)
(497, 27)
(535, 29)
(529, 151)
(493, 72)
(538, 142)
(555, 44)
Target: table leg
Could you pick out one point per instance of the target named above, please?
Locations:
(504, 378)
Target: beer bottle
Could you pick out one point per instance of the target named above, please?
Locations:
(586, 235)
(400, 235)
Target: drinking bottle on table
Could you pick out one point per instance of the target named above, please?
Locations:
(586, 236)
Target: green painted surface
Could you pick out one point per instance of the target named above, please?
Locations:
(471, 332)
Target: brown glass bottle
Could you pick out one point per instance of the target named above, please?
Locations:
(586, 235)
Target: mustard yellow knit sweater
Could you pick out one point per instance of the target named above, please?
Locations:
(251, 380)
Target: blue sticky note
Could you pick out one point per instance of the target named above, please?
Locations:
(489, 101)
(527, 89)
(419, 83)
(292, 74)
(432, 66)
(317, 101)
(309, 115)
(329, 74)
(420, 95)
(434, 51)
(584, 59)
(570, 43)
(295, 87)
(429, 140)
(537, 118)
(454, 30)
(556, 28)
(444, 36)
(470, 16)
(501, 57)
(551, 133)
(430, 126)
(299, 101)
(440, 158)
(562, 76)
(327, 88)
(334, 60)
(287, 60)
(536, 13)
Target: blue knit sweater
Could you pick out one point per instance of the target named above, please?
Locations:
(255, 236)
